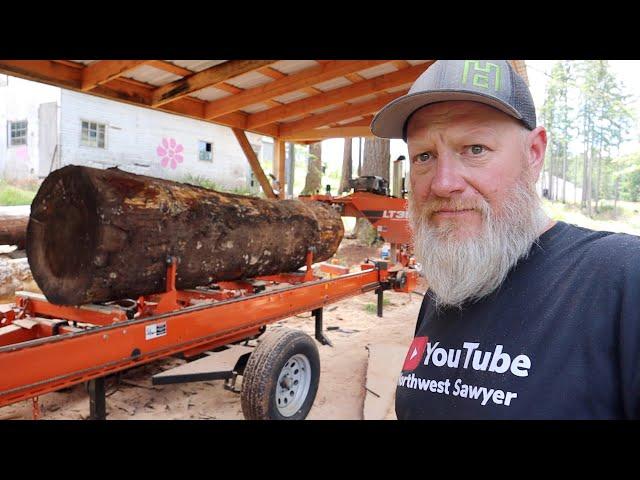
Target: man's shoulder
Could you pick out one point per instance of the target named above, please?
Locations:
(609, 249)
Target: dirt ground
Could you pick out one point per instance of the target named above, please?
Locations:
(130, 395)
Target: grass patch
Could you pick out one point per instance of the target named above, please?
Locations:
(10, 195)
(625, 219)
(373, 307)
(211, 185)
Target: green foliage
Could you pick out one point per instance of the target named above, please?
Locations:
(211, 185)
(600, 123)
(200, 181)
(373, 307)
(12, 195)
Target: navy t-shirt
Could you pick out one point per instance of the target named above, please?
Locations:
(560, 339)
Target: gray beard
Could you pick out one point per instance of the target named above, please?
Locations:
(462, 270)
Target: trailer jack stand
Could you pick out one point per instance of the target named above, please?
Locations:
(97, 400)
(320, 336)
(230, 384)
(35, 408)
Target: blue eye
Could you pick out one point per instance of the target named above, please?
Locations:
(477, 149)
(423, 157)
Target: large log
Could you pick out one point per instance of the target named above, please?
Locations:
(98, 235)
(13, 230)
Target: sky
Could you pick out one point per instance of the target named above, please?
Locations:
(538, 71)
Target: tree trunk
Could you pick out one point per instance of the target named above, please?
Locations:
(376, 161)
(615, 202)
(13, 230)
(291, 164)
(564, 174)
(97, 235)
(347, 162)
(313, 180)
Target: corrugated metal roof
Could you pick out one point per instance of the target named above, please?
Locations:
(155, 76)
(377, 70)
(295, 119)
(152, 75)
(349, 120)
(293, 66)
(399, 88)
(327, 109)
(291, 97)
(196, 65)
(366, 98)
(332, 84)
(256, 107)
(211, 93)
(249, 80)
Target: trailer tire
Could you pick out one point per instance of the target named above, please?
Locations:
(281, 377)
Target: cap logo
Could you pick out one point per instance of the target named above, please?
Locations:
(481, 76)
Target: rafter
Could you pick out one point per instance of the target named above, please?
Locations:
(363, 122)
(324, 133)
(104, 71)
(171, 68)
(206, 78)
(121, 89)
(336, 96)
(338, 114)
(297, 81)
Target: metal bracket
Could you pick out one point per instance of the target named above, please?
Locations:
(230, 383)
(380, 292)
(320, 336)
(97, 400)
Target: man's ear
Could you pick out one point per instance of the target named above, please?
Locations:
(536, 146)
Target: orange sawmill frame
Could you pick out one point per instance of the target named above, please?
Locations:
(46, 347)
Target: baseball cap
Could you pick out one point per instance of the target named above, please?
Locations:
(492, 82)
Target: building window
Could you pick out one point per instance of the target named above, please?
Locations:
(17, 133)
(205, 151)
(93, 134)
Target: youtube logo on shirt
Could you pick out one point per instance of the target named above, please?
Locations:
(415, 353)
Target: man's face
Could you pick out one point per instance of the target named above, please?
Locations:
(472, 206)
(463, 155)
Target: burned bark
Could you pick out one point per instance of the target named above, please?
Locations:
(13, 230)
(98, 235)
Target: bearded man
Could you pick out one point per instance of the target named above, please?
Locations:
(525, 318)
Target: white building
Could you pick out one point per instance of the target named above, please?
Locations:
(48, 128)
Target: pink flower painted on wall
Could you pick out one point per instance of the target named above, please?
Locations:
(169, 152)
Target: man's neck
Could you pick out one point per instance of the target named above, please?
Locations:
(550, 224)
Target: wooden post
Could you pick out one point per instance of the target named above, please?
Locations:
(254, 162)
(279, 156)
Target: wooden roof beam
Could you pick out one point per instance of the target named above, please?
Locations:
(44, 71)
(209, 77)
(315, 135)
(136, 93)
(252, 158)
(336, 96)
(104, 71)
(338, 114)
(290, 83)
(171, 68)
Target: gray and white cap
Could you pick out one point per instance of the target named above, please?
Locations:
(492, 82)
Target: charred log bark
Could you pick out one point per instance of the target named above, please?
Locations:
(13, 230)
(98, 235)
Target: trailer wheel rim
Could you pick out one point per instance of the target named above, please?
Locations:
(293, 385)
